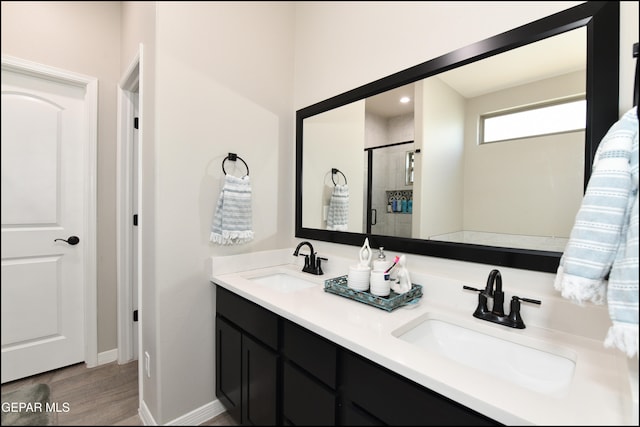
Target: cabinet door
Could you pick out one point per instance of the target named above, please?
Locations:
(352, 415)
(311, 352)
(396, 400)
(260, 384)
(228, 367)
(306, 401)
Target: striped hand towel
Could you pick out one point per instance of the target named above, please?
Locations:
(338, 215)
(232, 223)
(600, 261)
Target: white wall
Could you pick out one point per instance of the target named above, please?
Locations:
(545, 174)
(370, 40)
(217, 79)
(337, 137)
(376, 130)
(440, 164)
(223, 84)
(401, 128)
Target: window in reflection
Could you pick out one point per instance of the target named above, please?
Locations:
(564, 116)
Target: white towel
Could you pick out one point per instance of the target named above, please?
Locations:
(338, 215)
(232, 222)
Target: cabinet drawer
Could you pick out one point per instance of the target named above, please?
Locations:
(248, 316)
(396, 400)
(311, 352)
(305, 400)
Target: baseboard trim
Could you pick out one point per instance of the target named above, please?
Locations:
(107, 356)
(193, 418)
(199, 415)
(145, 415)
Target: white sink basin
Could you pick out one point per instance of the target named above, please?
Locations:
(283, 282)
(536, 369)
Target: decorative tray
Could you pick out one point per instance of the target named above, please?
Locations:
(338, 286)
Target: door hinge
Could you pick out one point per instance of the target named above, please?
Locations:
(135, 315)
(135, 123)
(135, 219)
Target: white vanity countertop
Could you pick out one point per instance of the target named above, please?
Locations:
(599, 393)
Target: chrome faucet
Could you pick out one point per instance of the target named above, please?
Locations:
(312, 262)
(496, 315)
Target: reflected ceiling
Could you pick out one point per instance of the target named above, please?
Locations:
(511, 68)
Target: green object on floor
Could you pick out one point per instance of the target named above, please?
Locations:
(27, 406)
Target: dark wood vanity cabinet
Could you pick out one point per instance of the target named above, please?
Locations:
(229, 366)
(309, 394)
(271, 371)
(259, 386)
(247, 360)
(374, 395)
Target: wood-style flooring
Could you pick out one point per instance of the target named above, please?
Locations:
(106, 395)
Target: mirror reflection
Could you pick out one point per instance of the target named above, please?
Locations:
(428, 171)
(390, 196)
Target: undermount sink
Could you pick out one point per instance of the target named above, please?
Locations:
(283, 282)
(538, 370)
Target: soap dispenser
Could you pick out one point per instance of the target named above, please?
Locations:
(380, 263)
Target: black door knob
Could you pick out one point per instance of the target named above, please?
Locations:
(73, 240)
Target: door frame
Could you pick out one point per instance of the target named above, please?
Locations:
(90, 85)
(131, 80)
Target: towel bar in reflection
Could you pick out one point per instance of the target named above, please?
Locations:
(233, 157)
(334, 171)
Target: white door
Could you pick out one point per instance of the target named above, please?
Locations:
(44, 143)
(134, 233)
(127, 206)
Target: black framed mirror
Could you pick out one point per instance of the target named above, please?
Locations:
(600, 23)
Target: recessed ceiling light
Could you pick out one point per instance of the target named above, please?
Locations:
(405, 99)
